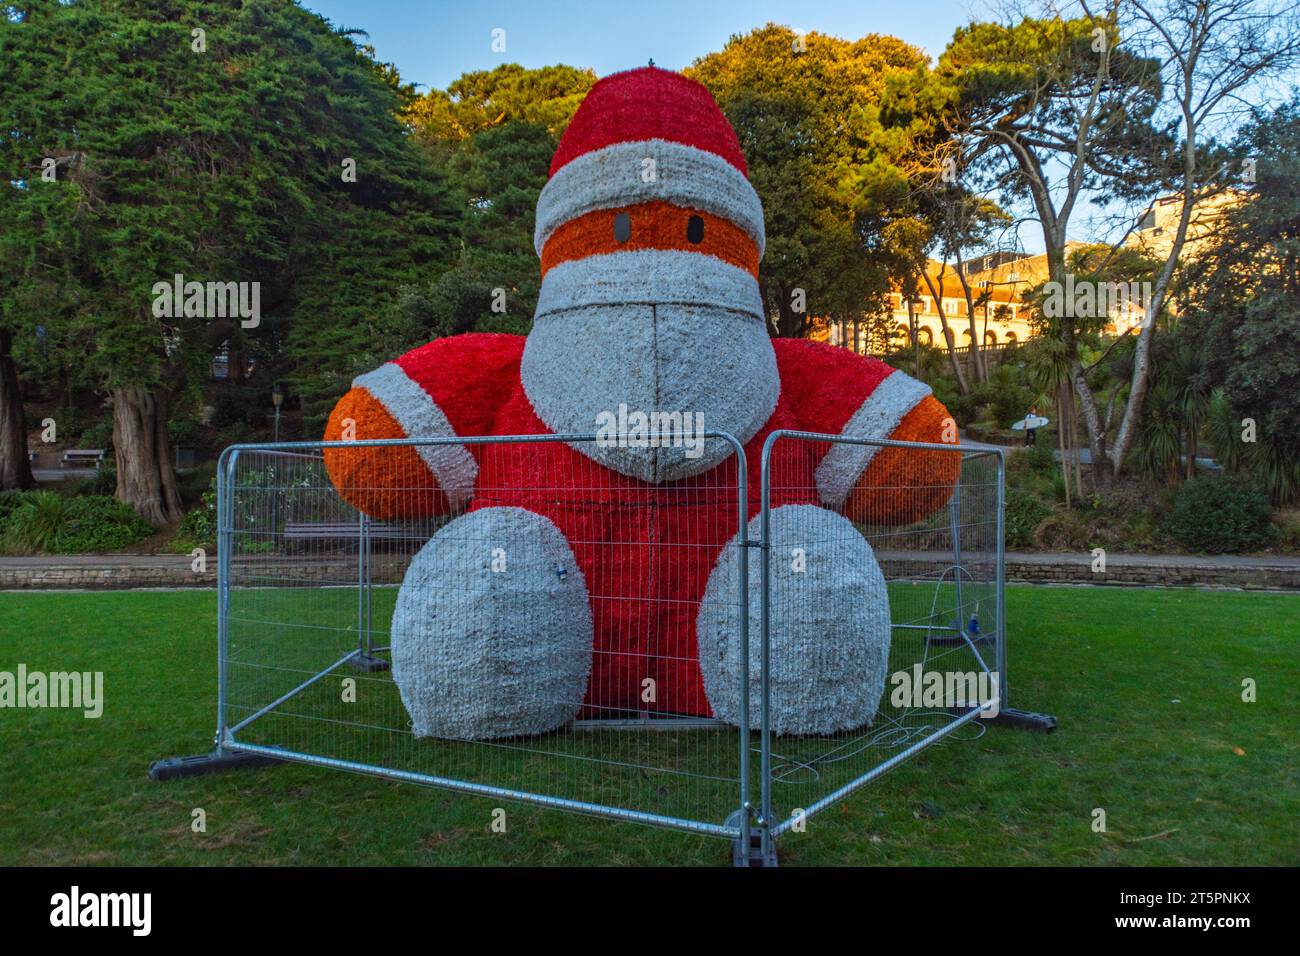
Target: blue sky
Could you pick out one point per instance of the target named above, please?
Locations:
(433, 43)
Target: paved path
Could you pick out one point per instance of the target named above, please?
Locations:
(1085, 454)
(115, 571)
(96, 561)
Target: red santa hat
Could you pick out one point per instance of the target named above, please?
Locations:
(652, 147)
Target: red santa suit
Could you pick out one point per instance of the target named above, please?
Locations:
(650, 238)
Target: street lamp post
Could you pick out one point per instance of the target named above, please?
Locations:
(277, 399)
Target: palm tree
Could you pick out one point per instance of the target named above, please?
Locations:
(1047, 370)
(1178, 406)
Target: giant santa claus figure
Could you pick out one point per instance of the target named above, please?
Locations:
(595, 578)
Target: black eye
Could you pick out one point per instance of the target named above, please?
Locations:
(622, 227)
(695, 230)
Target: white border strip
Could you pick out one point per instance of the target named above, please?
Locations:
(420, 417)
(613, 177)
(877, 417)
(658, 276)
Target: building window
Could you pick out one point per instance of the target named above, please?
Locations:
(1012, 337)
(950, 306)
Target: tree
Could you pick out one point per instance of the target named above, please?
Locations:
(493, 133)
(829, 169)
(15, 470)
(1178, 404)
(498, 175)
(482, 99)
(1123, 103)
(1062, 336)
(217, 142)
(960, 222)
(1244, 313)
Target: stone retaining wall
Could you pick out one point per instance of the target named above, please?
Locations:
(1131, 570)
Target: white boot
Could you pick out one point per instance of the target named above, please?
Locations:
(492, 632)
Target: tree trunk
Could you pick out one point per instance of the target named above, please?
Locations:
(1074, 442)
(914, 328)
(15, 470)
(978, 369)
(146, 473)
(950, 340)
(1093, 425)
(1062, 439)
(789, 323)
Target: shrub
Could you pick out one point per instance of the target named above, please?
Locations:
(199, 526)
(962, 407)
(101, 523)
(1024, 513)
(9, 502)
(1065, 530)
(37, 522)
(1006, 398)
(1039, 457)
(104, 483)
(44, 521)
(1218, 514)
(1288, 529)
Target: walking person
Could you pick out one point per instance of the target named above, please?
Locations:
(1031, 427)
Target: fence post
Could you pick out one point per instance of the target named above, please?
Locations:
(765, 622)
(363, 578)
(743, 543)
(1000, 653)
(225, 543)
(954, 523)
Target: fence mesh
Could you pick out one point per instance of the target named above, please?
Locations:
(317, 562)
(313, 583)
(932, 527)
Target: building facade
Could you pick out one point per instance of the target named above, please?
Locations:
(999, 281)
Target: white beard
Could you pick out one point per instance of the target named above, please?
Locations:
(665, 358)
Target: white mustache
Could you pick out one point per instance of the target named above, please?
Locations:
(650, 276)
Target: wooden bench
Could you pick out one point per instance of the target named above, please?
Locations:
(83, 456)
(301, 532)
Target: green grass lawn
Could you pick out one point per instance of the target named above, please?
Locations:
(1146, 685)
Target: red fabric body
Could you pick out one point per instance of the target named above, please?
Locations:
(644, 104)
(645, 551)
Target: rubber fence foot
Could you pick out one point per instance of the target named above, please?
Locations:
(219, 761)
(753, 854)
(369, 663)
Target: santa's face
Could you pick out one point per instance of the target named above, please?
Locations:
(649, 316)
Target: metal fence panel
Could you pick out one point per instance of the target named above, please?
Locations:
(310, 586)
(317, 564)
(934, 531)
